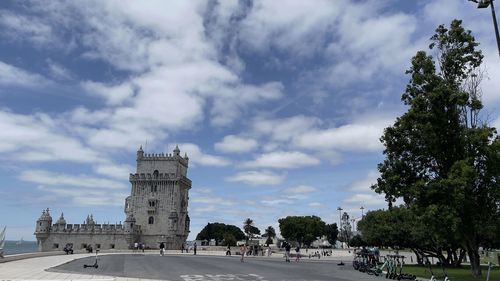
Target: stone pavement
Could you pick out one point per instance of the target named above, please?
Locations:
(36, 268)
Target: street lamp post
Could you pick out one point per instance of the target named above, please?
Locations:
(481, 4)
(340, 220)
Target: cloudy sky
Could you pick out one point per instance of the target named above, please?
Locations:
(278, 104)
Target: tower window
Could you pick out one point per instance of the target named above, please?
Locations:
(151, 220)
(156, 174)
(152, 203)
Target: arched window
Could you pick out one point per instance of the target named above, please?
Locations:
(151, 220)
(155, 174)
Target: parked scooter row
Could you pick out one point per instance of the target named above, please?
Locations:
(392, 267)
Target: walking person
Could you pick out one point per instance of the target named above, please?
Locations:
(297, 253)
(228, 250)
(162, 249)
(194, 248)
(287, 251)
(243, 250)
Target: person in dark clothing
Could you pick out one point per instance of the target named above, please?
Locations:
(287, 252)
(162, 248)
(194, 248)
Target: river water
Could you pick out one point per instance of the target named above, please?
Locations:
(11, 247)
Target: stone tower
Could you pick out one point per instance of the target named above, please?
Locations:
(159, 198)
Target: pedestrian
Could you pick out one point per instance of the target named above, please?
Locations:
(136, 246)
(287, 252)
(228, 250)
(268, 251)
(162, 249)
(194, 248)
(297, 253)
(182, 248)
(243, 249)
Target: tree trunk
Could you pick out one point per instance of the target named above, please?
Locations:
(473, 253)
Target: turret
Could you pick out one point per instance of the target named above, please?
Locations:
(177, 151)
(140, 153)
(43, 224)
(61, 220)
(90, 219)
(129, 224)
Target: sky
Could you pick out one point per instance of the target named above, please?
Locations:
(278, 104)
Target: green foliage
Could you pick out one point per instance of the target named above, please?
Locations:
(219, 232)
(357, 241)
(303, 229)
(270, 233)
(331, 232)
(345, 228)
(440, 159)
(250, 229)
(229, 239)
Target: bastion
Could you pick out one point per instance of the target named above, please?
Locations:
(156, 211)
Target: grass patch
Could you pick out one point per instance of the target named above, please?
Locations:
(455, 274)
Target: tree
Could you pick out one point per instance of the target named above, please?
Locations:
(331, 232)
(345, 228)
(250, 229)
(357, 241)
(439, 157)
(218, 231)
(270, 233)
(303, 229)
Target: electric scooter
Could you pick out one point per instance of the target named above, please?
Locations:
(95, 265)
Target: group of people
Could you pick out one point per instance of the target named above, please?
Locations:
(183, 247)
(139, 247)
(288, 247)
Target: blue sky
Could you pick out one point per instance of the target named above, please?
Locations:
(278, 104)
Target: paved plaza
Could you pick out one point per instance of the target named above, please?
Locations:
(151, 266)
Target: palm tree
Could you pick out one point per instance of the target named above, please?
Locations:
(270, 233)
(247, 226)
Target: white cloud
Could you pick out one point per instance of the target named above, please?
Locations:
(268, 24)
(362, 135)
(315, 205)
(363, 185)
(284, 129)
(282, 159)
(39, 138)
(257, 178)
(57, 179)
(14, 76)
(363, 199)
(301, 189)
(58, 71)
(113, 94)
(84, 197)
(276, 202)
(196, 156)
(18, 27)
(114, 170)
(235, 144)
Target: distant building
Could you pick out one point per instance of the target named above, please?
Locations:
(156, 211)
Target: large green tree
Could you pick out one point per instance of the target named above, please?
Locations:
(331, 232)
(439, 157)
(303, 229)
(220, 232)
